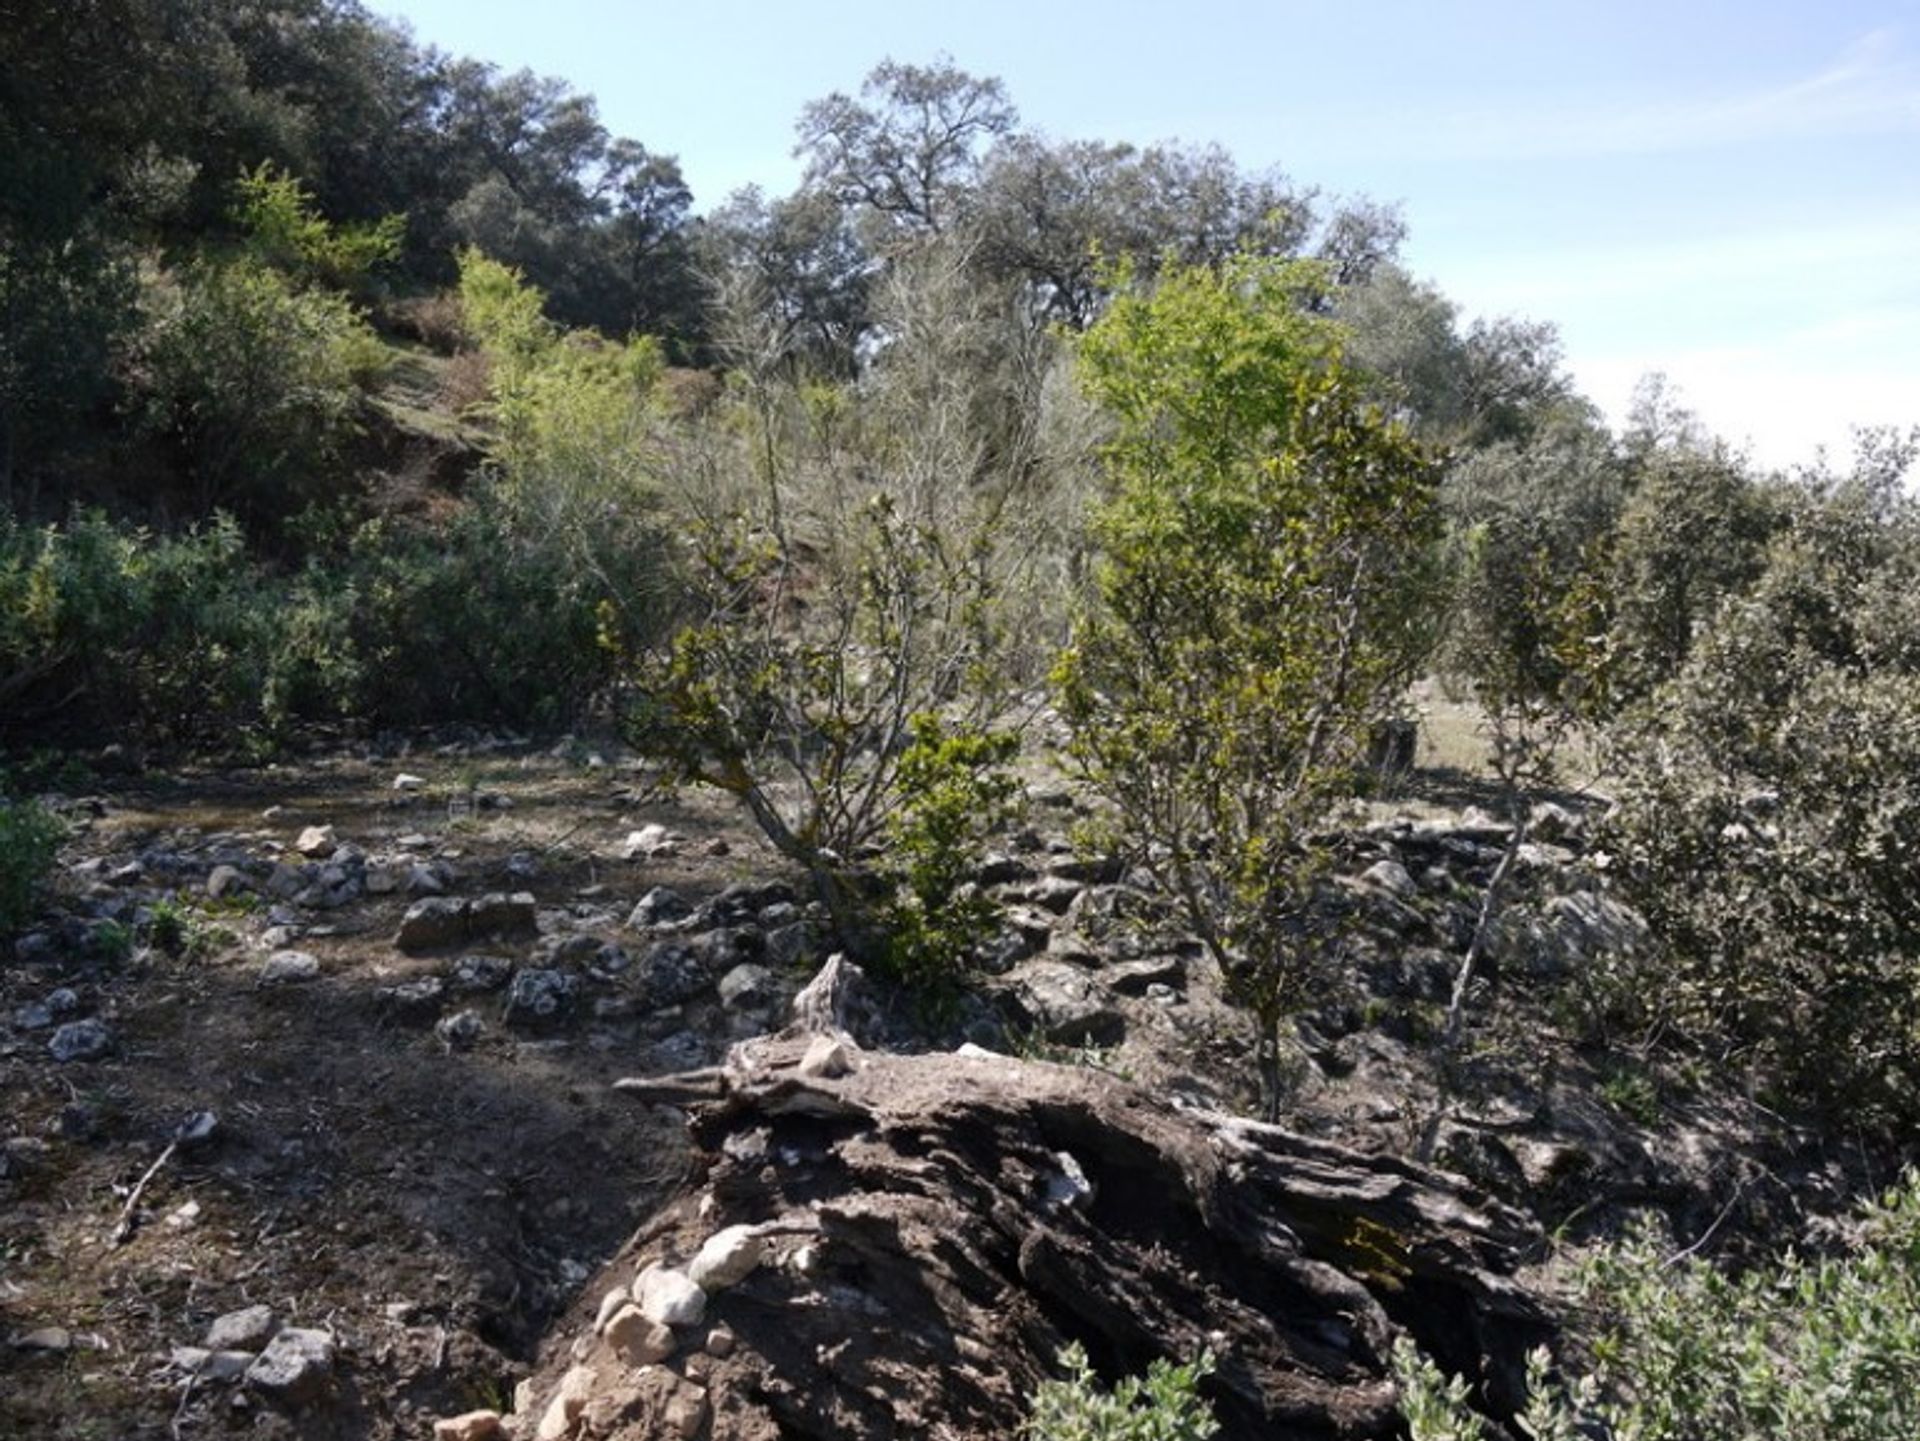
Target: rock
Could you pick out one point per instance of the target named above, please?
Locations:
(1139, 978)
(637, 1340)
(747, 987)
(44, 1338)
(539, 996)
(472, 1426)
(407, 782)
(461, 1030)
(1054, 893)
(426, 878)
(284, 968)
(659, 907)
(33, 1016)
(1070, 1007)
(247, 1329)
(315, 841)
(686, 1413)
(720, 1341)
(86, 1040)
(416, 1002)
(727, 1258)
(1390, 878)
(224, 881)
(670, 973)
(611, 1305)
(1068, 1187)
(499, 914)
(383, 880)
(569, 1400)
(431, 924)
(474, 974)
(296, 1367)
(210, 1365)
(1550, 821)
(669, 1297)
(826, 1058)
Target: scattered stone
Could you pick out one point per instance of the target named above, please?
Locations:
(183, 1216)
(473, 1426)
(569, 1400)
(1392, 878)
(296, 1366)
(670, 973)
(637, 1340)
(427, 879)
(481, 973)
(461, 1030)
(284, 968)
(669, 1297)
(1068, 1188)
(86, 1040)
(1070, 1007)
(407, 782)
(539, 995)
(747, 987)
(610, 1306)
(499, 914)
(383, 880)
(315, 841)
(44, 1338)
(432, 923)
(826, 1058)
(224, 881)
(687, 1411)
(660, 906)
(1138, 978)
(727, 1258)
(651, 841)
(225, 1366)
(247, 1329)
(416, 1002)
(720, 1341)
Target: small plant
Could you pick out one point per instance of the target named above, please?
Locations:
(29, 839)
(1164, 1405)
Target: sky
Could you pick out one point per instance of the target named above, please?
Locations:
(1726, 193)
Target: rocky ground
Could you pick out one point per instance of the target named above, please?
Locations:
(311, 1126)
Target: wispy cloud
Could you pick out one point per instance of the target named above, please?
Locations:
(1870, 88)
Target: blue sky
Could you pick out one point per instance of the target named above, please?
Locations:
(1729, 193)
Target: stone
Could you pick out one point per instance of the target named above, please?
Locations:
(670, 973)
(471, 1426)
(432, 923)
(686, 1413)
(727, 1258)
(408, 782)
(383, 880)
(86, 1040)
(224, 881)
(637, 1340)
(1139, 978)
(826, 1058)
(33, 1016)
(44, 1338)
(474, 974)
(538, 996)
(315, 841)
(426, 878)
(247, 1329)
(1070, 1007)
(296, 1368)
(720, 1341)
(416, 1002)
(569, 1400)
(1392, 878)
(660, 906)
(285, 968)
(610, 1306)
(669, 1297)
(461, 1030)
(746, 987)
(499, 914)
(650, 841)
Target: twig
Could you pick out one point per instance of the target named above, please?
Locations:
(186, 1395)
(123, 1228)
(1707, 1235)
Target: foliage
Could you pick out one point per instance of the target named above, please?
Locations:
(286, 229)
(954, 794)
(1767, 809)
(1164, 1405)
(1800, 1349)
(30, 837)
(257, 383)
(1256, 609)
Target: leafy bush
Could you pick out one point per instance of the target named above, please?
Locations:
(30, 838)
(1768, 810)
(1164, 1405)
(285, 228)
(1797, 1350)
(1257, 609)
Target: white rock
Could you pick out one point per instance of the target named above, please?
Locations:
(315, 841)
(285, 968)
(669, 1297)
(406, 782)
(567, 1404)
(473, 1426)
(728, 1258)
(825, 1059)
(610, 1305)
(638, 1341)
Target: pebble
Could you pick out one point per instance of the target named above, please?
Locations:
(86, 1040)
(669, 1297)
(461, 1030)
(247, 1329)
(296, 1366)
(315, 841)
(728, 1258)
(637, 1340)
(285, 968)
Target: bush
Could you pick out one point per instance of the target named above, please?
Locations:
(1165, 1405)
(1796, 1350)
(29, 840)
(1768, 810)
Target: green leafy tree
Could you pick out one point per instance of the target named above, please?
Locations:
(1257, 598)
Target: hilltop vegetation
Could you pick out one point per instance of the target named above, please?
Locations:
(350, 388)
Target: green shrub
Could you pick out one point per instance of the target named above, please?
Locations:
(29, 840)
(1164, 1405)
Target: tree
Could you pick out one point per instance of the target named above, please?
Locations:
(1255, 609)
(905, 150)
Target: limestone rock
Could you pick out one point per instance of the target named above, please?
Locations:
(285, 968)
(669, 1297)
(637, 1340)
(247, 1329)
(315, 841)
(727, 1258)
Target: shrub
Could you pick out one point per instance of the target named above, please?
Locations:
(1164, 1405)
(1256, 611)
(30, 838)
